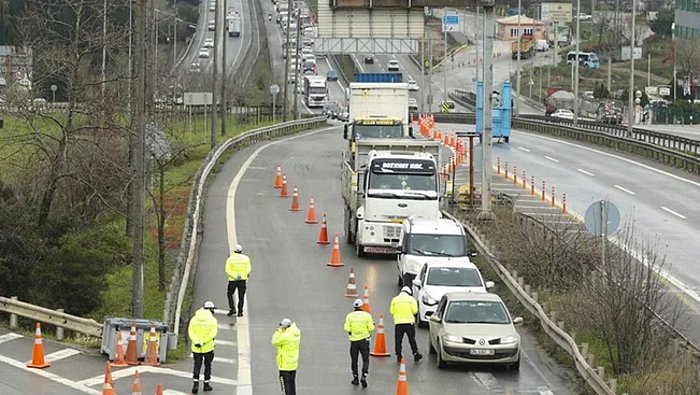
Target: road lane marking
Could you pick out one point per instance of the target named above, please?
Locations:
(244, 377)
(677, 214)
(588, 173)
(54, 377)
(62, 354)
(228, 361)
(225, 342)
(129, 373)
(623, 189)
(552, 159)
(9, 337)
(523, 149)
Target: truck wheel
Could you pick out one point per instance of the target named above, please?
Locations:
(349, 236)
(507, 139)
(400, 281)
(359, 251)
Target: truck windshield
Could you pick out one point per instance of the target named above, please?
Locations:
(404, 182)
(378, 131)
(444, 245)
(317, 90)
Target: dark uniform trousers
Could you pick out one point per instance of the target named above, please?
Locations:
(234, 285)
(207, 357)
(410, 331)
(356, 348)
(288, 382)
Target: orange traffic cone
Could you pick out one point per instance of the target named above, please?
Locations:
(295, 200)
(283, 192)
(351, 289)
(107, 389)
(136, 388)
(365, 300)
(335, 254)
(108, 374)
(159, 389)
(278, 177)
(380, 340)
(151, 358)
(323, 233)
(311, 215)
(38, 350)
(402, 383)
(119, 361)
(131, 356)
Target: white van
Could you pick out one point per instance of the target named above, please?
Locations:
(542, 46)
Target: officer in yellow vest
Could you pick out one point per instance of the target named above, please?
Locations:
(202, 332)
(287, 339)
(404, 308)
(359, 327)
(238, 270)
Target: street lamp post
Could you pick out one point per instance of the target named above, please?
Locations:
(578, 61)
(517, 64)
(673, 42)
(630, 115)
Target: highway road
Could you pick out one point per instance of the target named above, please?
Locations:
(290, 279)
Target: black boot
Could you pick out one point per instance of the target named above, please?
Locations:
(195, 387)
(364, 381)
(231, 312)
(207, 387)
(355, 380)
(417, 357)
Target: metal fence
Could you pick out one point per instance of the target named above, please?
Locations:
(52, 317)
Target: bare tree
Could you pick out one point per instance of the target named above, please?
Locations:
(687, 55)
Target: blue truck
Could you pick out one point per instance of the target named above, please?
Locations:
(377, 77)
(501, 111)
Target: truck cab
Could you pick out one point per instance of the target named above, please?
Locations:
(423, 241)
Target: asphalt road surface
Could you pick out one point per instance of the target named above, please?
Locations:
(290, 279)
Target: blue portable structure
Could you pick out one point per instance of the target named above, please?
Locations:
(501, 114)
(377, 77)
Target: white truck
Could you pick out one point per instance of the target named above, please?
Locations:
(234, 24)
(423, 241)
(315, 90)
(377, 110)
(383, 182)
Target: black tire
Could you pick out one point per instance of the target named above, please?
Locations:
(431, 349)
(506, 139)
(400, 282)
(358, 249)
(349, 236)
(441, 364)
(515, 366)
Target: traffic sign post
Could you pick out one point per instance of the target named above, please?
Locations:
(274, 90)
(450, 23)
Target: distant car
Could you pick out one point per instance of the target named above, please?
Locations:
(332, 75)
(204, 52)
(208, 43)
(310, 72)
(212, 6)
(344, 115)
(412, 105)
(393, 65)
(195, 67)
(212, 25)
(585, 17)
(369, 59)
(474, 328)
(442, 276)
(563, 114)
(412, 85)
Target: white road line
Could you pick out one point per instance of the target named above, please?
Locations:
(552, 159)
(623, 189)
(173, 392)
(62, 354)
(588, 173)
(523, 149)
(54, 377)
(677, 214)
(224, 342)
(228, 361)
(245, 383)
(9, 337)
(226, 327)
(129, 373)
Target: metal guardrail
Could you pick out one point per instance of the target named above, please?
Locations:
(557, 334)
(192, 227)
(59, 319)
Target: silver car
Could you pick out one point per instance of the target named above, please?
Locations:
(474, 328)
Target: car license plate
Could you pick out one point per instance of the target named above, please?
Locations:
(481, 352)
(380, 250)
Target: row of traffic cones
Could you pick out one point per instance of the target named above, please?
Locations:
(380, 349)
(108, 386)
(131, 358)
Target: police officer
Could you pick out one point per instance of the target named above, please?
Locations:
(202, 331)
(238, 270)
(359, 327)
(404, 308)
(287, 339)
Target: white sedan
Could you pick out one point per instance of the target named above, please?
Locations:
(393, 65)
(441, 276)
(563, 114)
(412, 85)
(208, 43)
(204, 52)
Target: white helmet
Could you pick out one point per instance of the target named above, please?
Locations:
(407, 290)
(238, 248)
(209, 305)
(285, 323)
(357, 303)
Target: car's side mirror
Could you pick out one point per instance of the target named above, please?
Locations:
(434, 318)
(517, 321)
(416, 283)
(490, 284)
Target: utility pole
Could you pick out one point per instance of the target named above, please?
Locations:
(610, 74)
(479, 28)
(286, 63)
(296, 70)
(673, 42)
(224, 74)
(422, 74)
(630, 96)
(430, 72)
(486, 213)
(517, 65)
(215, 74)
(648, 69)
(444, 70)
(104, 46)
(137, 148)
(578, 61)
